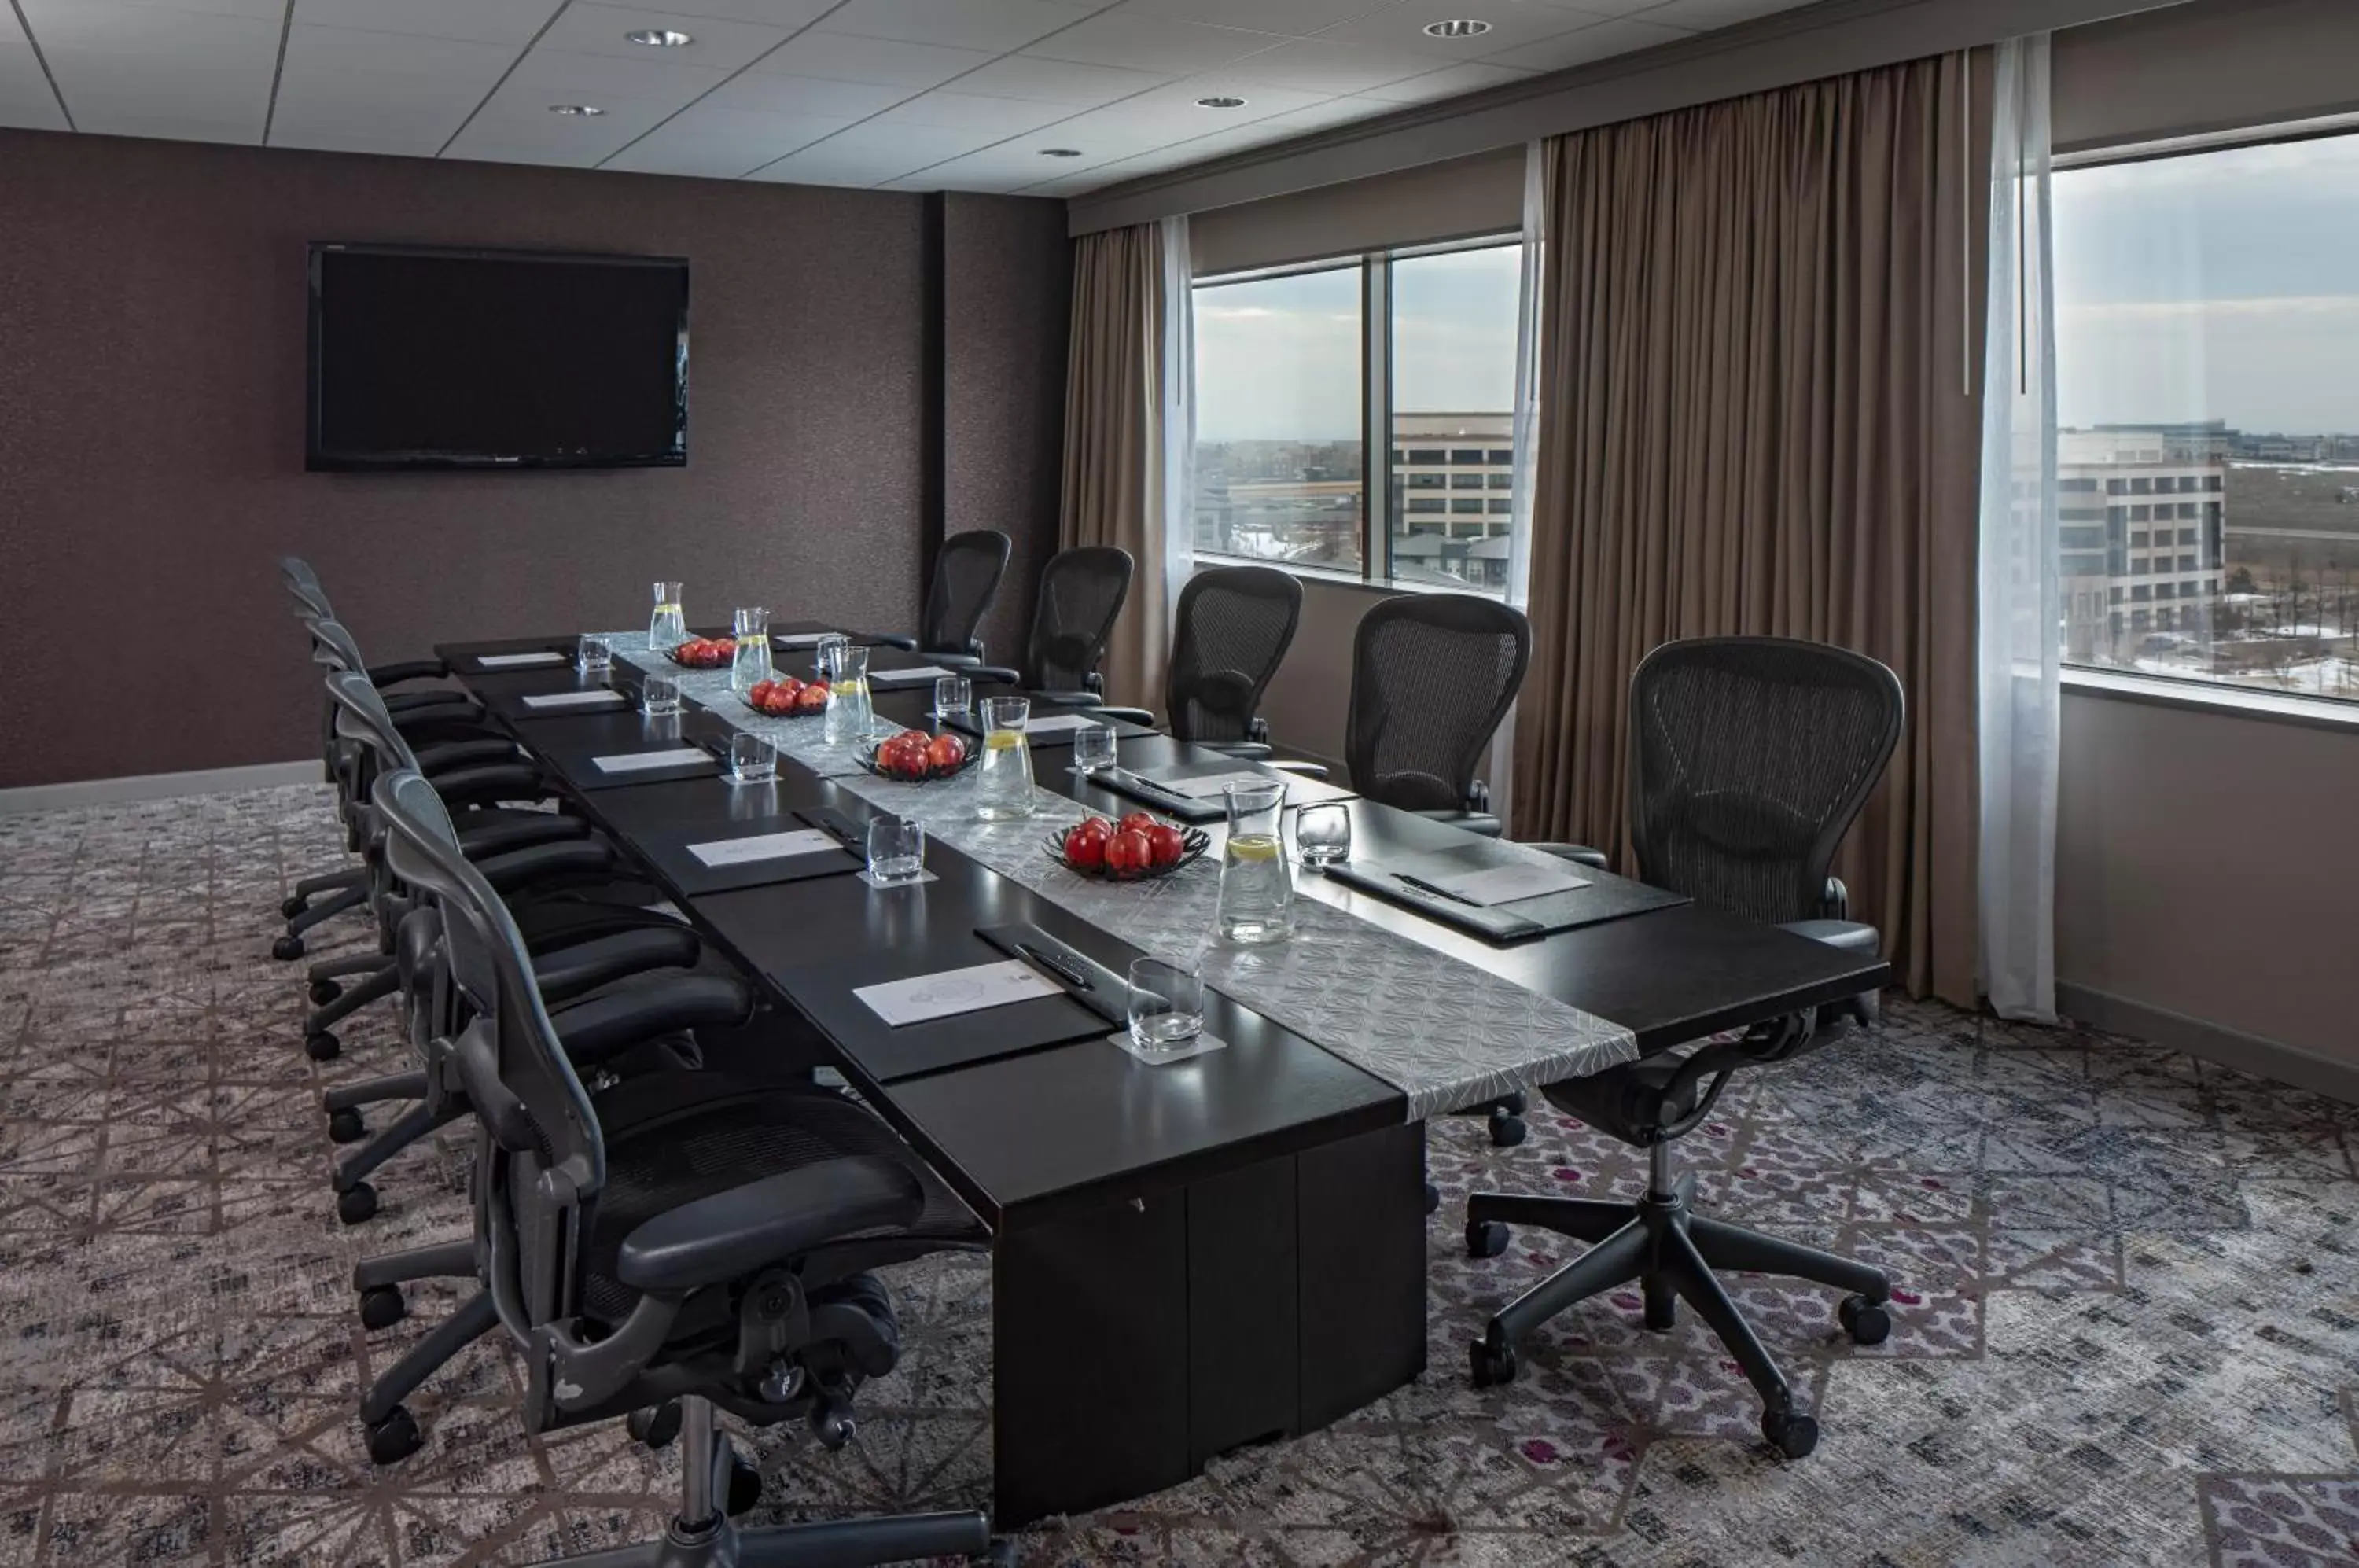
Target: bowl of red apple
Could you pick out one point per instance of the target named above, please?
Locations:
(703, 653)
(913, 756)
(787, 697)
(1135, 848)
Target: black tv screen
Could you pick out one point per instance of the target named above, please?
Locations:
(435, 358)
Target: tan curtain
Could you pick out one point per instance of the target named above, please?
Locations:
(1114, 439)
(1755, 419)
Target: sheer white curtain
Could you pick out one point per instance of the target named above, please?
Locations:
(2018, 607)
(1177, 521)
(1500, 770)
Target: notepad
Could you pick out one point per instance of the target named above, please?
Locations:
(762, 846)
(640, 761)
(956, 991)
(1057, 724)
(510, 660)
(925, 674)
(1495, 885)
(801, 640)
(574, 699)
(1207, 786)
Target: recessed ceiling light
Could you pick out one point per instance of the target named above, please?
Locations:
(1060, 152)
(576, 110)
(1464, 30)
(1223, 101)
(659, 37)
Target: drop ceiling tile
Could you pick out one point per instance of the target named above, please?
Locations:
(481, 21)
(967, 111)
(1058, 81)
(519, 116)
(599, 29)
(766, 135)
(394, 141)
(921, 145)
(1513, 23)
(789, 13)
(149, 71)
(755, 93)
(1152, 43)
(1448, 83)
(1177, 101)
(259, 10)
(1315, 65)
(993, 24)
(1101, 135)
(26, 101)
(1708, 14)
(1298, 17)
(573, 77)
(832, 163)
(407, 92)
(477, 148)
(1599, 40)
(889, 62)
(1318, 116)
(671, 150)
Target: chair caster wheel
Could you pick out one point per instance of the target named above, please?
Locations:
(1790, 1434)
(356, 1203)
(1662, 1312)
(382, 1306)
(1507, 1130)
(287, 949)
(346, 1126)
(1486, 1238)
(655, 1426)
(321, 1045)
(324, 992)
(745, 1485)
(1866, 1321)
(1492, 1364)
(393, 1439)
(1001, 1553)
(290, 906)
(1432, 1199)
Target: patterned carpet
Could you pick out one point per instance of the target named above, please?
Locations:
(2129, 1332)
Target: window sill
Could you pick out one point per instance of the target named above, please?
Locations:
(2228, 701)
(1386, 586)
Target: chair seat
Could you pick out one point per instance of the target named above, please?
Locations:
(675, 1138)
(1622, 1100)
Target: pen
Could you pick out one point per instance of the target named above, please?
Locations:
(1062, 968)
(1422, 886)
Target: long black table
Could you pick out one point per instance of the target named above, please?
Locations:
(1186, 1258)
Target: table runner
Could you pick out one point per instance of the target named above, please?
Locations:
(1445, 1033)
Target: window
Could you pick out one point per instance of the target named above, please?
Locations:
(1428, 454)
(1278, 378)
(1451, 329)
(2207, 321)
(1466, 482)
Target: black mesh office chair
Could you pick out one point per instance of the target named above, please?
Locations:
(967, 569)
(683, 1239)
(1432, 676)
(1751, 757)
(1229, 633)
(1081, 592)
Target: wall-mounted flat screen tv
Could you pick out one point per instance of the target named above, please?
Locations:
(440, 358)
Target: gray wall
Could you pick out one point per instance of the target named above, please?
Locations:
(152, 323)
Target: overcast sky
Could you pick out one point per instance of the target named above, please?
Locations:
(1280, 359)
(2215, 286)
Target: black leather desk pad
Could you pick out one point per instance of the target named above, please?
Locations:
(468, 658)
(1139, 787)
(572, 746)
(1123, 728)
(1607, 896)
(890, 1054)
(669, 852)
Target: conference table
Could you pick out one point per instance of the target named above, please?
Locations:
(1190, 1256)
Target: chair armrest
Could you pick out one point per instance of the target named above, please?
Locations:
(1478, 796)
(888, 640)
(1849, 935)
(613, 1021)
(520, 868)
(1242, 750)
(1580, 853)
(1300, 770)
(1068, 699)
(476, 786)
(1138, 716)
(1257, 729)
(981, 671)
(407, 670)
(450, 754)
(1836, 899)
(776, 1219)
(1480, 822)
(568, 974)
(483, 841)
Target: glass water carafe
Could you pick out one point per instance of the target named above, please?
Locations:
(849, 710)
(751, 666)
(669, 628)
(1257, 887)
(1003, 784)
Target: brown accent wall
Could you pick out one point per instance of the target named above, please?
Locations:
(152, 319)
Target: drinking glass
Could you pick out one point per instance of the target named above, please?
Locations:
(849, 712)
(669, 628)
(751, 665)
(752, 760)
(1093, 748)
(660, 695)
(1167, 1004)
(824, 652)
(1323, 834)
(1257, 902)
(594, 655)
(953, 697)
(896, 849)
(1003, 784)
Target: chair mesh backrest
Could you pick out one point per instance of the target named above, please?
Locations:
(1750, 757)
(361, 718)
(967, 571)
(538, 1117)
(1232, 628)
(1081, 590)
(1432, 674)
